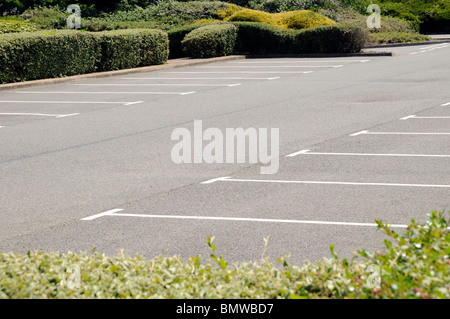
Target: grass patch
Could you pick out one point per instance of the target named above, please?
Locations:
(414, 264)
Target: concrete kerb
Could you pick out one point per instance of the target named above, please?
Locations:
(396, 45)
(175, 63)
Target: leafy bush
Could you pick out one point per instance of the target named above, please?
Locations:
(123, 49)
(258, 38)
(299, 19)
(414, 264)
(330, 39)
(210, 41)
(38, 55)
(8, 25)
(261, 38)
(177, 35)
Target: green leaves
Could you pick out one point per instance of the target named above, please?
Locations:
(414, 264)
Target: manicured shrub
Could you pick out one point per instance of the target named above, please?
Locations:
(176, 36)
(261, 38)
(37, 55)
(211, 41)
(330, 39)
(123, 49)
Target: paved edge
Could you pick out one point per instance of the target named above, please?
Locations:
(176, 63)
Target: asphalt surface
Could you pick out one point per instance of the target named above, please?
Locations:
(88, 163)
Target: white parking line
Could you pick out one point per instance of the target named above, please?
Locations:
(397, 133)
(446, 104)
(424, 117)
(242, 72)
(234, 78)
(88, 92)
(229, 179)
(308, 152)
(41, 114)
(269, 66)
(68, 102)
(162, 84)
(108, 212)
(298, 61)
(239, 219)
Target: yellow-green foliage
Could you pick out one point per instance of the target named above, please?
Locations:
(228, 12)
(9, 25)
(298, 19)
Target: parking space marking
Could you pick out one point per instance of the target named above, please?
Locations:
(241, 180)
(308, 152)
(268, 66)
(397, 133)
(432, 48)
(41, 114)
(234, 78)
(243, 72)
(70, 102)
(446, 104)
(164, 84)
(106, 213)
(89, 92)
(115, 212)
(424, 117)
(299, 61)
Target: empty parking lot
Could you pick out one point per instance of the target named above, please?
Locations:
(88, 163)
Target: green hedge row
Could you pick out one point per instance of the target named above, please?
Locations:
(260, 38)
(38, 55)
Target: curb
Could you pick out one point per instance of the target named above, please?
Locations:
(170, 64)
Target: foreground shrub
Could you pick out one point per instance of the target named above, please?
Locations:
(414, 264)
(177, 35)
(39, 55)
(210, 41)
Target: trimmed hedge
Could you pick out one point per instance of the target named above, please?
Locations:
(259, 38)
(38, 55)
(210, 41)
(125, 49)
(176, 36)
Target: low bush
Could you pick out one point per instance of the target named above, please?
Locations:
(210, 41)
(258, 38)
(261, 38)
(8, 25)
(38, 55)
(48, 54)
(330, 39)
(177, 35)
(414, 264)
(123, 49)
